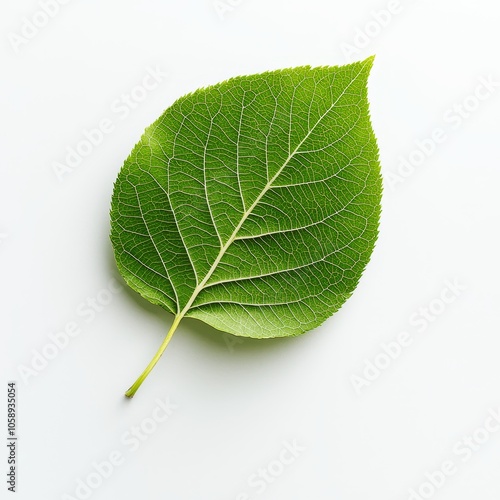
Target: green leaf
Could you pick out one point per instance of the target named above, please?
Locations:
(253, 204)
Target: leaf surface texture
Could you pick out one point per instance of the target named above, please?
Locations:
(253, 204)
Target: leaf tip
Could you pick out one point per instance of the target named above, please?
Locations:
(369, 61)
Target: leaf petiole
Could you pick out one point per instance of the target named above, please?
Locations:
(135, 386)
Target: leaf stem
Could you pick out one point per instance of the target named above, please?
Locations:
(133, 388)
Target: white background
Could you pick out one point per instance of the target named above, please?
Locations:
(238, 403)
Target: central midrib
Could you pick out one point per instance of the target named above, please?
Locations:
(248, 212)
(178, 317)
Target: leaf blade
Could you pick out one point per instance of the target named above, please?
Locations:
(260, 198)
